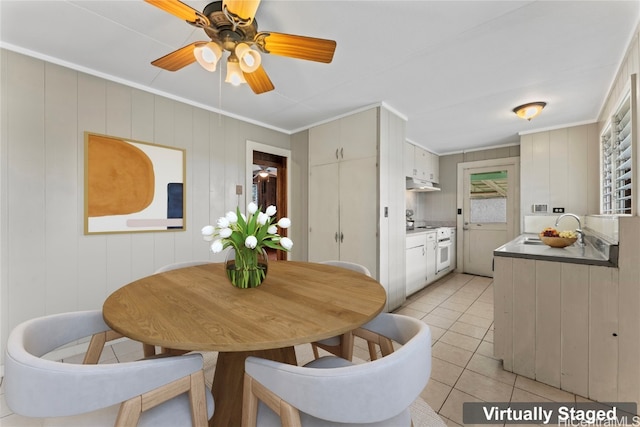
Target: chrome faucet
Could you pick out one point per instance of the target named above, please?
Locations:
(578, 230)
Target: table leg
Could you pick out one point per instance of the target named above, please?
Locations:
(228, 382)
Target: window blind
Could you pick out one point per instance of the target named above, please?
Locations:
(617, 162)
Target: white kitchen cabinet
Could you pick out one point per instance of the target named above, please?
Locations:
(416, 263)
(409, 159)
(435, 168)
(452, 253)
(421, 164)
(324, 216)
(356, 194)
(349, 138)
(432, 253)
(339, 222)
(420, 260)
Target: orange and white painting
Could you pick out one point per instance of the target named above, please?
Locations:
(132, 186)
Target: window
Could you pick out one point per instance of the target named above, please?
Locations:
(488, 198)
(616, 145)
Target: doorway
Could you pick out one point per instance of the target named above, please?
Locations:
(488, 194)
(269, 185)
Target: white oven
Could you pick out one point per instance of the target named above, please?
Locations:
(443, 251)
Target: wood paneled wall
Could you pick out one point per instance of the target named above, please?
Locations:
(560, 168)
(47, 264)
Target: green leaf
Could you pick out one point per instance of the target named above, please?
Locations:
(241, 223)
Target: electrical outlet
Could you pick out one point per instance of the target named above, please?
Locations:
(239, 190)
(558, 210)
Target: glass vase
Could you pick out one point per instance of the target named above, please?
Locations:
(246, 268)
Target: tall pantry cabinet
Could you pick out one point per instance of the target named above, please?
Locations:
(351, 175)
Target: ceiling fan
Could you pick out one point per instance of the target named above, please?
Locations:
(264, 172)
(231, 26)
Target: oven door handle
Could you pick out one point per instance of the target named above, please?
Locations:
(444, 244)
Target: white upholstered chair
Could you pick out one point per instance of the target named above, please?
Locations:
(342, 345)
(162, 391)
(333, 391)
(182, 264)
(150, 350)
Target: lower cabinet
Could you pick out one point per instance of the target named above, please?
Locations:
(416, 263)
(558, 323)
(454, 255)
(420, 261)
(432, 254)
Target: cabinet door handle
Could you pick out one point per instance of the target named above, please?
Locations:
(342, 153)
(337, 154)
(336, 237)
(341, 237)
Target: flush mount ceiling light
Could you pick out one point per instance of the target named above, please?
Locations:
(530, 110)
(231, 27)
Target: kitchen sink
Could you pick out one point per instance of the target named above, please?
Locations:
(533, 241)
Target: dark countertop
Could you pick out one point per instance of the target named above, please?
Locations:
(589, 254)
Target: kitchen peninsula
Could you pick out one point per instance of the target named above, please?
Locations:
(568, 317)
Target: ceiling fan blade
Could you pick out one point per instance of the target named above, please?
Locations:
(301, 47)
(243, 10)
(259, 81)
(176, 8)
(178, 58)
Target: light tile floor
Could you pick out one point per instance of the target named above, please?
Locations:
(459, 310)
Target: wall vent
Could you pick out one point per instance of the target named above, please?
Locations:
(539, 209)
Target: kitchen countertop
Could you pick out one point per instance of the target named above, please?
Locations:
(589, 254)
(420, 231)
(431, 229)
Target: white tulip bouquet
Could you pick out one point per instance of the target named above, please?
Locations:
(248, 235)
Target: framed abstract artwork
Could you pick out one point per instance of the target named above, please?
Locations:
(132, 186)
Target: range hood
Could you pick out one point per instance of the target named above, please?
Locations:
(415, 184)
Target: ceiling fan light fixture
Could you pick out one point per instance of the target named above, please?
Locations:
(208, 55)
(248, 58)
(530, 110)
(234, 73)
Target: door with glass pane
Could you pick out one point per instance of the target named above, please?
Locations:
(488, 215)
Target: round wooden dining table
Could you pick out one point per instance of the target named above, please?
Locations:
(197, 308)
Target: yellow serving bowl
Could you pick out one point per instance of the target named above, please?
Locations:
(557, 242)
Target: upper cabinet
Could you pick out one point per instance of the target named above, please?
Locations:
(435, 168)
(409, 160)
(421, 164)
(352, 137)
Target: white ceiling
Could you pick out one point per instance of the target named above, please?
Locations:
(453, 69)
